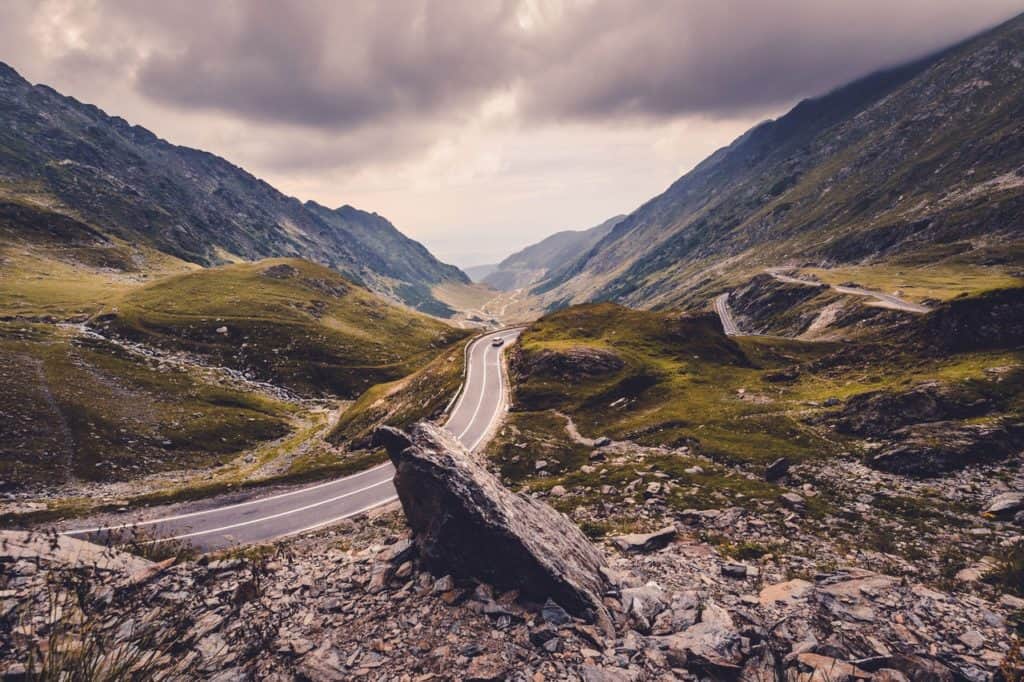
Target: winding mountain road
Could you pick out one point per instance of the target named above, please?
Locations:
(475, 415)
(883, 299)
(725, 315)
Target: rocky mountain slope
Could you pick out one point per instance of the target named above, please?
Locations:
(124, 182)
(535, 261)
(919, 164)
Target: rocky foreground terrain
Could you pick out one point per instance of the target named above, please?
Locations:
(490, 585)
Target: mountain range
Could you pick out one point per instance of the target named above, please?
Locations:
(59, 155)
(533, 263)
(917, 164)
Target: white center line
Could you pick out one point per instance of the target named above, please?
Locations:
(272, 516)
(480, 402)
(497, 409)
(258, 500)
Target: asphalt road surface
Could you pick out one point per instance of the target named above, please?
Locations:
(886, 300)
(725, 315)
(475, 415)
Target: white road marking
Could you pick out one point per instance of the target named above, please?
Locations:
(268, 518)
(465, 384)
(498, 407)
(328, 522)
(259, 500)
(472, 348)
(480, 402)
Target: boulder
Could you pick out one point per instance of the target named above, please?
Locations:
(1005, 505)
(70, 552)
(465, 523)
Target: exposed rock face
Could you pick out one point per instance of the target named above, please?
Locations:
(1006, 504)
(994, 319)
(467, 524)
(574, 363)
(933, 448)
(878, 413)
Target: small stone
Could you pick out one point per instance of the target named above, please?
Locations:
(486, 668)
(972, 639)
(553, 613)
(1012, 602)
(444, 584)
(603, 441)
(776, 469)
(645, 542)
(734, 570)
(793, 501)
(1005, 505)
(786, 592)
(540, 635)
(559, 491)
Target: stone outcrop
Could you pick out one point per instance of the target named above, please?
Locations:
(937, 447)
(576, 363)
(465, 523)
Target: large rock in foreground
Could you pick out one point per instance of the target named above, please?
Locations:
(466, 523)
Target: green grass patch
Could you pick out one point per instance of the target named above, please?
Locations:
(286, 321)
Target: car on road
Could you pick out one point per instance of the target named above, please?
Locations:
(497, 341)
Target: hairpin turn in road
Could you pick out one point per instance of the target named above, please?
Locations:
(475, 415)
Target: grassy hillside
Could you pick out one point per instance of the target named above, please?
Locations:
(118, 362)
(669, 379)
(283, 320)
(57, 267)
(74, 407)
(681, 380)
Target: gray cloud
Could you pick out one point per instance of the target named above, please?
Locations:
(342, 65)
(337, 65)
(379, 80)
(663, 58)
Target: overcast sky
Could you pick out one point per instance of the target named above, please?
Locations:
(475, 126)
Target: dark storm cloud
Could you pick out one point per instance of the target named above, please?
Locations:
(341, 65)
(331, 64)
(415, 67)
(662, 58)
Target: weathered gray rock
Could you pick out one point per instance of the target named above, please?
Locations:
(643, 604)
(793, 501)
(645, 542)
(713, 644)
(1006, 504)
(466, 523)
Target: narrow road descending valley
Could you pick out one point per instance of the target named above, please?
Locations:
(725, 315)
(474, 417)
